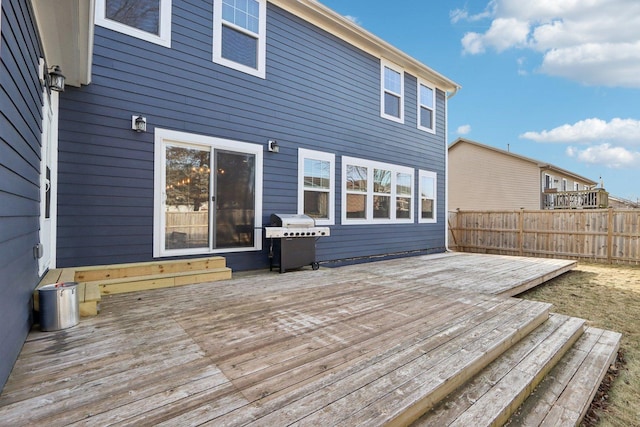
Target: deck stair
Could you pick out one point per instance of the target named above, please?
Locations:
(548, 378)
(95, 281)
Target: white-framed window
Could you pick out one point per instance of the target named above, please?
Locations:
(239, 35)
(428, 197)
(316, 185)
(148, 20)
(564, 184)
(548, 182)
(391, 91)
(426, 107)
(207, 195)
(576, 186)
(375, 192)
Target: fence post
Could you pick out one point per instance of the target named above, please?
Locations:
(521, 232)
(610, 236)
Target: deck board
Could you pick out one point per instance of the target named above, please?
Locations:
(350, 344)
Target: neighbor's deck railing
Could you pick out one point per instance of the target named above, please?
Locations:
(585, 199)
(597, 235)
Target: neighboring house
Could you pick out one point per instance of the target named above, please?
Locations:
(482, 177)
(620, 203)
(185, 124)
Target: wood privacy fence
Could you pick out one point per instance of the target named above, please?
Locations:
(597, 235)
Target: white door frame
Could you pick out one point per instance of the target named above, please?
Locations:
(49, 158)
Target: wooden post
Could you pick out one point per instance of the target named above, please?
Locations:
(610, 237)
(521, 232)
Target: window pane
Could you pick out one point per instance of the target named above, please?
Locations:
(243, 13)
(427, 209)
(356, 178)
(426, 96)
(141, 14)
(316, 174)
(382, 207)
(391, 105)
(426, 118)
(381, 181)
(392, 80)
(239, 47)
(356, 206)
(316, 204)
(403, 208)
(426, 188)
(403, 184)
(187, 204)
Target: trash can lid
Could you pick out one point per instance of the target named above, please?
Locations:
(57, 286)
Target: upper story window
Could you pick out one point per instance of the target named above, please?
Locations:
(239, 35)
(426, 107)
(148, 20)
(392, 92)
(576, 186)
(376, 192)
(316, 185)
(428, 199)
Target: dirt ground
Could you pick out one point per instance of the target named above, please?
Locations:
(609, 298)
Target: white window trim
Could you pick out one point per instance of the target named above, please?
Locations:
(386, 64)
(164, 39)
(371, 165)
(262, 40)
(428, 174)
(420, 105)
(165, 136)
(327, 157)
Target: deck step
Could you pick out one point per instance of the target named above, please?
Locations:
(156, 281)
(565, 395)
(154, 268)
(491, 396)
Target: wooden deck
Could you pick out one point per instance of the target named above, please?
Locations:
(369, 344)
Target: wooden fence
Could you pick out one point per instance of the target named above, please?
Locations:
(597, 235)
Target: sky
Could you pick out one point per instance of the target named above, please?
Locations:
(554, 80)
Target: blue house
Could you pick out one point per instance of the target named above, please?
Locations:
(185, 124)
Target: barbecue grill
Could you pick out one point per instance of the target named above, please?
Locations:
(293, 241)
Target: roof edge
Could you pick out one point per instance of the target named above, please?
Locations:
(323, 17)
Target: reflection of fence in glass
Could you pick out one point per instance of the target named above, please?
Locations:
(187, 230)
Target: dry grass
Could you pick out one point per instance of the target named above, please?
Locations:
(609, 298)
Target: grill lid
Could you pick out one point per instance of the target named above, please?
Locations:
(292, 220)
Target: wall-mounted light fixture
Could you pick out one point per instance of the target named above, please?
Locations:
(139, 123)
(273, 146)
(56, 79)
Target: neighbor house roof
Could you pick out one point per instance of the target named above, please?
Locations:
(542, 165)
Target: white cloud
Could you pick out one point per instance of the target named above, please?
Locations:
(626, 131)
(606, 155)
(596, 42)
(353, 19)
(463, 130)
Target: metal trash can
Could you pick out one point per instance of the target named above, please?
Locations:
(59, 306)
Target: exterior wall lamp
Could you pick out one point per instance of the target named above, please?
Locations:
(56, 79)
(273, 146)
(139, 123)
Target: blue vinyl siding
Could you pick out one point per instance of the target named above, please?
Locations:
(20, 128)
(320, 93)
